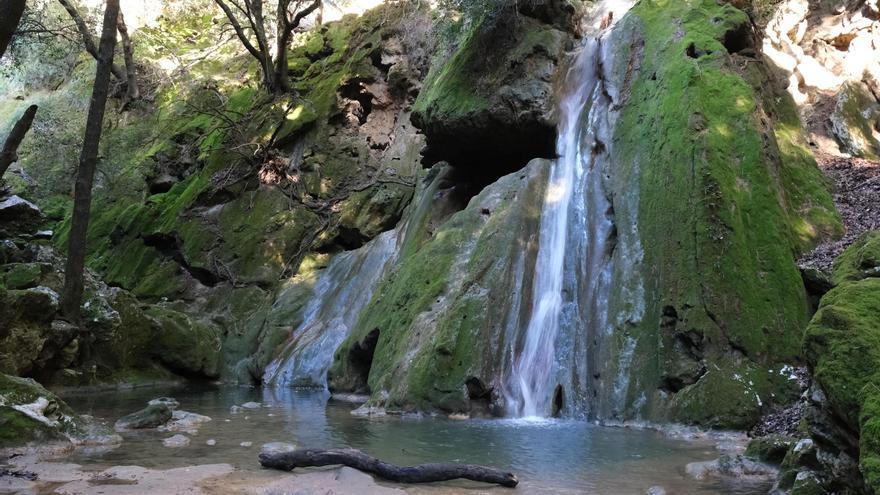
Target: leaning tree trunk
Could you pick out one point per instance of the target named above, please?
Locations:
(132, 92)
(285, 30)
(10, 14)
(422, 473)
(87, 38)
(85, 174)
(10, 148)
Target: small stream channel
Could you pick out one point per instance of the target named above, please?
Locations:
(549, 456)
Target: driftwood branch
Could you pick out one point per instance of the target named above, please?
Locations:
(9, 154)
(422, 473)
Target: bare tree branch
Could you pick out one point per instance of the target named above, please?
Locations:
(87, 38)
(132, 91)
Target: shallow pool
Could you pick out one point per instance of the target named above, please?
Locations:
(554, 456)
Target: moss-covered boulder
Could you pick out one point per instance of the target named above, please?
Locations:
(22, 275)
(25, 326)
(31, 414)
(860, 260)
(186, 345)
(854, 119)
(770, 448)
(152, 416)
(843, 347)
(714, 191)
(486, 105)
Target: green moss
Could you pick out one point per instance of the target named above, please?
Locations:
(719, 213)
(730, 396)
(411, 290)
(262, 232)
(771, 448)
(843, 347)
(860, 260)
(18, 429)
(184, 344)
(463, 83)
(437, 315)
(22, 275)
(869, 437)
(846, 326)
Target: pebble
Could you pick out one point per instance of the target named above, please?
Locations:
(251, 405)
(211, 442)
(246, 444)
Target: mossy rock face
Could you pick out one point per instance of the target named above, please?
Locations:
(225, 228)
(22, 275)
(31, 414)
(853, 118)
(433, 324)
(184, 344)
(25, 325)
(842, 345)
(487, 105)
(860, 260)
(771, 448)
(712, 199)
(729, 395)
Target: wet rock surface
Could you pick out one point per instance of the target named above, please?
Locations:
(152, 416)
(731, 466)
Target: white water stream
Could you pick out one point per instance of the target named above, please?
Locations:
(572, 270)
(341, 292)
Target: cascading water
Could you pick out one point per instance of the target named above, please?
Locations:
(342, 290)
(572, 270)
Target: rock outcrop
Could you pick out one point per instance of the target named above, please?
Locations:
(713, 192)
(487, 105)
(842, 345)
(831, 53)
(30, 415)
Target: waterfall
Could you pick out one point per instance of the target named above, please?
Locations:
(573, 270)
(341, 292)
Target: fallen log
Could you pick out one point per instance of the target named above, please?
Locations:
(422, 473)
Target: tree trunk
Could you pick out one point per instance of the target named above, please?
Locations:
(88, 40)
(132, 92)
(255, 21)
(10, 149)
(10, 14)
(422, 473)
(85, 175)
(285, 31)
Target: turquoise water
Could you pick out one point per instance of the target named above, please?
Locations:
(552, 456)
